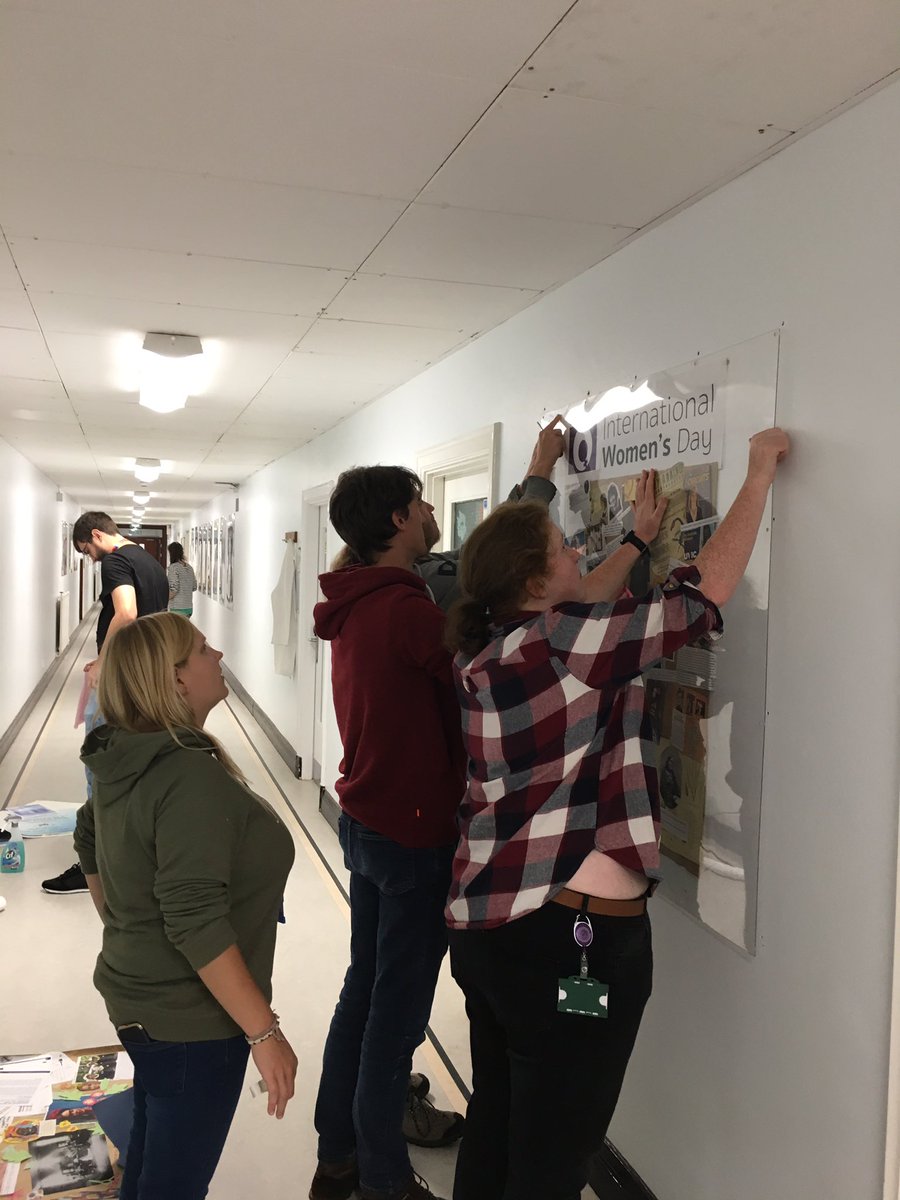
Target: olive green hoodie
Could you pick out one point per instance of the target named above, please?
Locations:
(191, 863)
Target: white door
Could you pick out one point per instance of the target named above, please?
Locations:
(319, 693)
(465, 506)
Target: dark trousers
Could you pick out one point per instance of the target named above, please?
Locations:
(545, 1083)
(185, 1094)
(397, 940)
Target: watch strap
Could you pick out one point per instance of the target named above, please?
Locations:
(632, 537)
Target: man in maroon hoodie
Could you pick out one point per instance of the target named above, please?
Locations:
(402, 780)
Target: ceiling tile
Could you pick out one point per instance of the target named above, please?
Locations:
(183, 279)
(22, 352)
(468, 38)
(9, 276)
(758, 64)
(351, 125)
(463, 307)
(15, 310)
(395, 347)
(316, 379)
(188, 213)
(43, 394)
(106, 316)
(588, 160)
(433, 241)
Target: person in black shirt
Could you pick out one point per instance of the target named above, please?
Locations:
(133, 585)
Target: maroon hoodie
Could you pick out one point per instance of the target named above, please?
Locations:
(403, 771)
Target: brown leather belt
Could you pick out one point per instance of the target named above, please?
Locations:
(601, 906)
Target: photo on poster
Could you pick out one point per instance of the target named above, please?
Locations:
(694, 537)
(69, 1160)
(96, 1066)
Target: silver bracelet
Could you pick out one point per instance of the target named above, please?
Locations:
(274, 1031)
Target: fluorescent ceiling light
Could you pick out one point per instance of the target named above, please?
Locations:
(171, 370)
(146, 470)
(141, 498)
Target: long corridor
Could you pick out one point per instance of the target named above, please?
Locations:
(50, 943)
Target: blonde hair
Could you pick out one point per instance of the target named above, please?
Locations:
(138, 689)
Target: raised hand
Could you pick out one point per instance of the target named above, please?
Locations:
(648, 514)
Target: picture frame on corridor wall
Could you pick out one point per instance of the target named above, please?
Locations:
(228, 560)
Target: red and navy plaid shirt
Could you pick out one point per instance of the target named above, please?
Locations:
(562, 757)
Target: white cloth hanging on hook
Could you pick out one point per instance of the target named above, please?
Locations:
(285, 603)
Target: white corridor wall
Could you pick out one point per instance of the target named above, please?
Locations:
(762, 1078)
(33, 552)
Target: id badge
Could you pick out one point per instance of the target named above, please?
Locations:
(583, 996)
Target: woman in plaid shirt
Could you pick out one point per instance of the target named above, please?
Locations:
(559, 846)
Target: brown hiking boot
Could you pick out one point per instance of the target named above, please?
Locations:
(425, 1125)
(334, 1181)
(416, 1189)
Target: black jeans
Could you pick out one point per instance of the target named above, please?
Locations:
(185, 1094)
(545, 1083)
(397, 940)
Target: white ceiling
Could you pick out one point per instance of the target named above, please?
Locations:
(334, 194)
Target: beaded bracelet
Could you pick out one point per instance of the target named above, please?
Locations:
(274, 1031)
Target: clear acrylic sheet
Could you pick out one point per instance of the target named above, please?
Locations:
(692, 424)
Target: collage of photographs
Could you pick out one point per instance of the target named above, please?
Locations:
(74, 1137)
(598, 513)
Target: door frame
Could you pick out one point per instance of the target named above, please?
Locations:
(892, 1141)
(313, 500)
(476, 452)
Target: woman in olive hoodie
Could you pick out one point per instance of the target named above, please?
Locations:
(187, 869)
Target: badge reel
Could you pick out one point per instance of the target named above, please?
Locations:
(580, 994)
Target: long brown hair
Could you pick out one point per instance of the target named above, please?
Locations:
(138, 689)
(502, 554)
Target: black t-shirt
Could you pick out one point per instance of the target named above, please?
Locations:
(134, 566)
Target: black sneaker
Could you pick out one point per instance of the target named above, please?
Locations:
(66, 884)
(419, 1084)
(425, 1125)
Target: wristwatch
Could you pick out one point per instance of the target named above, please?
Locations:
(632, 537)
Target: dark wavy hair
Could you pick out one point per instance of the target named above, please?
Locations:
(363, 504)
(500, 556)
(176, 552)
(83, 529)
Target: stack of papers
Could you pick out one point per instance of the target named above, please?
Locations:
(26, 1084)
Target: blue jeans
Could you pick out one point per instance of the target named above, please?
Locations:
(185, 1094)
(397, 940)
(92, 718)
